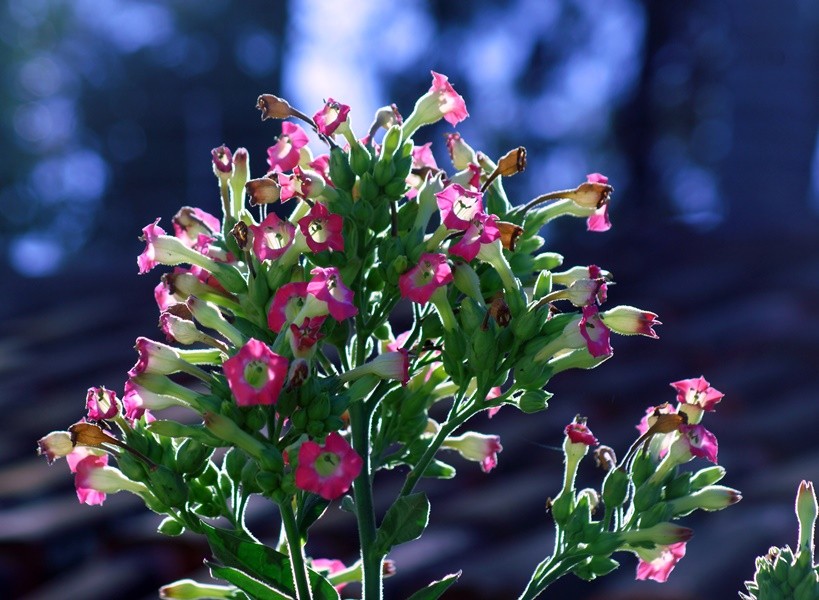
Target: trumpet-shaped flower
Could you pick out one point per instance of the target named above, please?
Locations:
(256, 374)
(482, 230)
(272, 237)
(327, 470)
(595, 332)
(459, 206)
(287, 302)
(284, 154)
(697, 392)
(326, 285)
(419, 283)
(322, 230)
(477, 447)
(331, 116)
(658, 562)
(599, 219)
(101, 403)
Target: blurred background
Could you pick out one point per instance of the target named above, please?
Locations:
(704, 115)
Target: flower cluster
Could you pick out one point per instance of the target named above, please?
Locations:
(278, 344)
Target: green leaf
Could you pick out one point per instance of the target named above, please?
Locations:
(263, 563)
(439, 469)
(434, 590)
(404, 521)
(311, 508)
(255, 588)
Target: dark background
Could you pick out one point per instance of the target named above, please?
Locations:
(703, 114)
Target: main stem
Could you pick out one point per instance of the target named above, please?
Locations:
(296, 554)
(360, 416)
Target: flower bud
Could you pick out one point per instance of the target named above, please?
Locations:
(806, 510)
(56, 444)
(711, 498)
(615, 488)
(273, 107)
(661, 534)
(627, 320)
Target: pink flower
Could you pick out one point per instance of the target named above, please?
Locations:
(256, 374)
(284, 154)
(327, 470)
(321, 165)
(419, 283)
(482, 230)
(652, 411)
(579, 433)
(101, 403)
(422, 157)
(700, 441)
(190, 222)
(272, 237)
(387, 365)
(326, 285)
(477, 447)
(628, 320)
(295, 185)
(287, 303)
(460, 153)
(658, 562)
(596, 272)
(83, 463)
(459, 206)
(595, 332)
(440, 101)
(303, 337)
(599, 220)
(155, 357)
(222, 160)
(697, 392)
(147, 260)
(322, 230)
(329, 566)
(331, 116)
(132, 401)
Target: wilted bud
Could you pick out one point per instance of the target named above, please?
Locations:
(590, 194)
(222, 162)
(263, 190)
(605, 458)
(55, 445)
(239, 233)
(387, 116)
(273, 107)
(498, 310)
(512, 162)
(509, 234)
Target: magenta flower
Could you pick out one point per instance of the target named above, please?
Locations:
(331, 116)
(101, 404)
(322, 230)
(419, 283)
(628, 320)
(190, 222)
(658, 562)
(328, 566)
(697, 392)
(700, 441)
(579, 433)
(287, 302)
(256, 374)
(321, 165)
(595, 332)
(83, 463)
(459, 206)
(441, 101)
(422, 157)
(387, 365)
(651, 412)
(599, 219)
(326, 285)
(327, 470)
(477, 447)
(284, 154)
(482, 230)
(295, 185)
(147, 260)
(155, 357)
(303, 337)
(596, 272)
(272, 237)
(132, 402)
(222, 159)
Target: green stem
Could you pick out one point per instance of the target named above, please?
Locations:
(548, 572)
(296, 554)
(360, 415)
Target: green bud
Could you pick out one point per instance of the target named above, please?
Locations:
(319, 409)
(333, 423)
(562, 508)
(233, 463)
(527, 325)
(679, 486)
(646, 496)
(368, 190)
(383, 172)
(615, 488)
(299, 419)
(315, 428)
(396, 188)
(642, 467)
(471, 315)
(168, 487)
(547, 261)
(707, 476)
(375, 283)
(132, 467)
(657, 513)
(249, 473)
(543, 285)
(340, 171)
(396, 268)
(533, 401)
(171, 527)
(454, 345)
(272, 460)
(257, 418)
(268, 482)
(362, 213)
(359, 158)
(390, 142)
(192, 456)
(287, 403)
(209, 475)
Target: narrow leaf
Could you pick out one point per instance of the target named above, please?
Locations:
(255, 588)
(434, 590)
